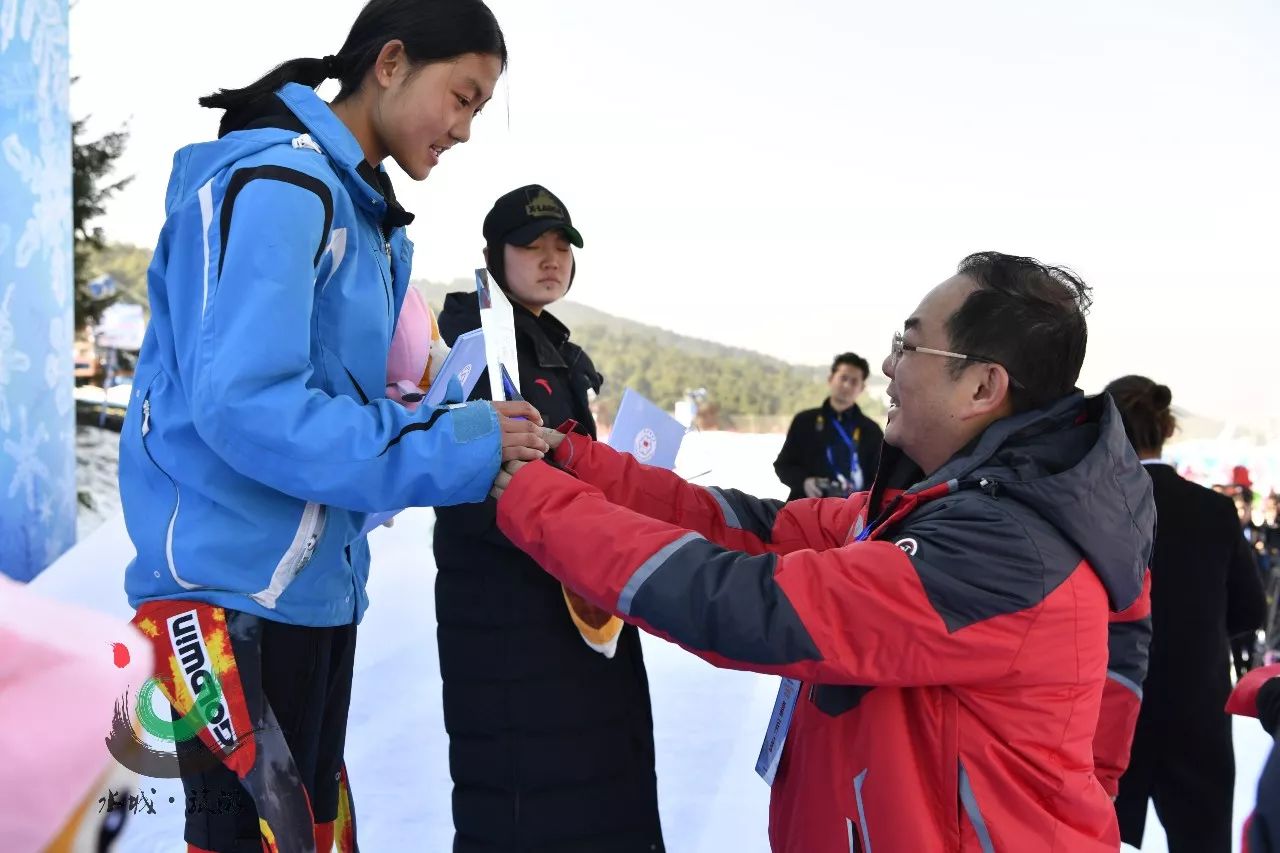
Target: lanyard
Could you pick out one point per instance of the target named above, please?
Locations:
(855, 473)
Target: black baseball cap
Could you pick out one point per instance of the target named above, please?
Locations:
(522, 216)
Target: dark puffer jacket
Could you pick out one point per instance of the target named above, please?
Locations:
(550, 742)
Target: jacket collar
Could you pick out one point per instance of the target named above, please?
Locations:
(1071, 463)
(370, 188)
(547, 334)
(847, 415)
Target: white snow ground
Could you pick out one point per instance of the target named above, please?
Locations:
(708, 723)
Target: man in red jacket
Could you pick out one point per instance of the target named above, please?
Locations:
(950, 640)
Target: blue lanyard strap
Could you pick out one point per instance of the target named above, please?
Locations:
(853, 474)
(844, 435)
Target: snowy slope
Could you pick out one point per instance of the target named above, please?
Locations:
(708, 722)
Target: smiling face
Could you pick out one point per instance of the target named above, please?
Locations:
(421, 111)
(934, 413)
(538, 274)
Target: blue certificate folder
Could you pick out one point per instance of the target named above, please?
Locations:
(647, 432)
(465, 362)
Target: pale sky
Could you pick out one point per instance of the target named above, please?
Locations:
(792, 177)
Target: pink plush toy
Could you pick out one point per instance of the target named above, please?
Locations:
(417, 351)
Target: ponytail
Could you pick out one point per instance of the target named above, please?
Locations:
(431, 31)
(1144, 408)
(236, 102)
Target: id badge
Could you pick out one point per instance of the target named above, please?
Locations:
(776, 735)
(784, 707)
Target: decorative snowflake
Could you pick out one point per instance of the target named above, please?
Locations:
(57, 374)
(28, 467)
(36, 243)
(8, 21)
(66, 490)
(11, 360)
(42, 25)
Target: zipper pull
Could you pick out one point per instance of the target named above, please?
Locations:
(146, 416)
(308, 551)
(305, 141)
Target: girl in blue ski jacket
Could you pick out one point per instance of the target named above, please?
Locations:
(258, 437)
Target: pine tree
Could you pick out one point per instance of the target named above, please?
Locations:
(91, 163)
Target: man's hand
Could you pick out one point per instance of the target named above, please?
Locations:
(552, 437)
(505, 473)
(813, 487)
(521, 439)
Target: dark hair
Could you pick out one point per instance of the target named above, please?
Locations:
(853, 360)
(495, 260)
(432, 31)
(1144, 409)
(1027, 317)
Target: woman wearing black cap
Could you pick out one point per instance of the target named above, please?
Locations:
(546, 699)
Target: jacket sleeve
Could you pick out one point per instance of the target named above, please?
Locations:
(726, 517)
(249, 390)
(789, 465)
(1128, 647)
(865, 613)
(1246, 602)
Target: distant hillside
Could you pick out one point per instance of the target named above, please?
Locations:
(747, 389)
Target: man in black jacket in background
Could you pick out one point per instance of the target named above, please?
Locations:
(833, 450)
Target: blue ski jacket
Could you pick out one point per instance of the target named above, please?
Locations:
(258, 434)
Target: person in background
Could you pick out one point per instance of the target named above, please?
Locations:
(1271, 542)
(1204, 589)
(833, 450)
(1247, 650)
(546, 699)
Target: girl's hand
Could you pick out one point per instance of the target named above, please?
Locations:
(521, 432)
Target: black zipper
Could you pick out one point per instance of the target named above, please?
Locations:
(387, 277)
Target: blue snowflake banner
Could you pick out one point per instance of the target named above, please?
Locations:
(37, 417)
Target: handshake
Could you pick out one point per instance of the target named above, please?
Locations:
(524, 440)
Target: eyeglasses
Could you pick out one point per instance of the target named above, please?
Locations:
(900, 346)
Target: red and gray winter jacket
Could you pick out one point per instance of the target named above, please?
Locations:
(955, 663)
